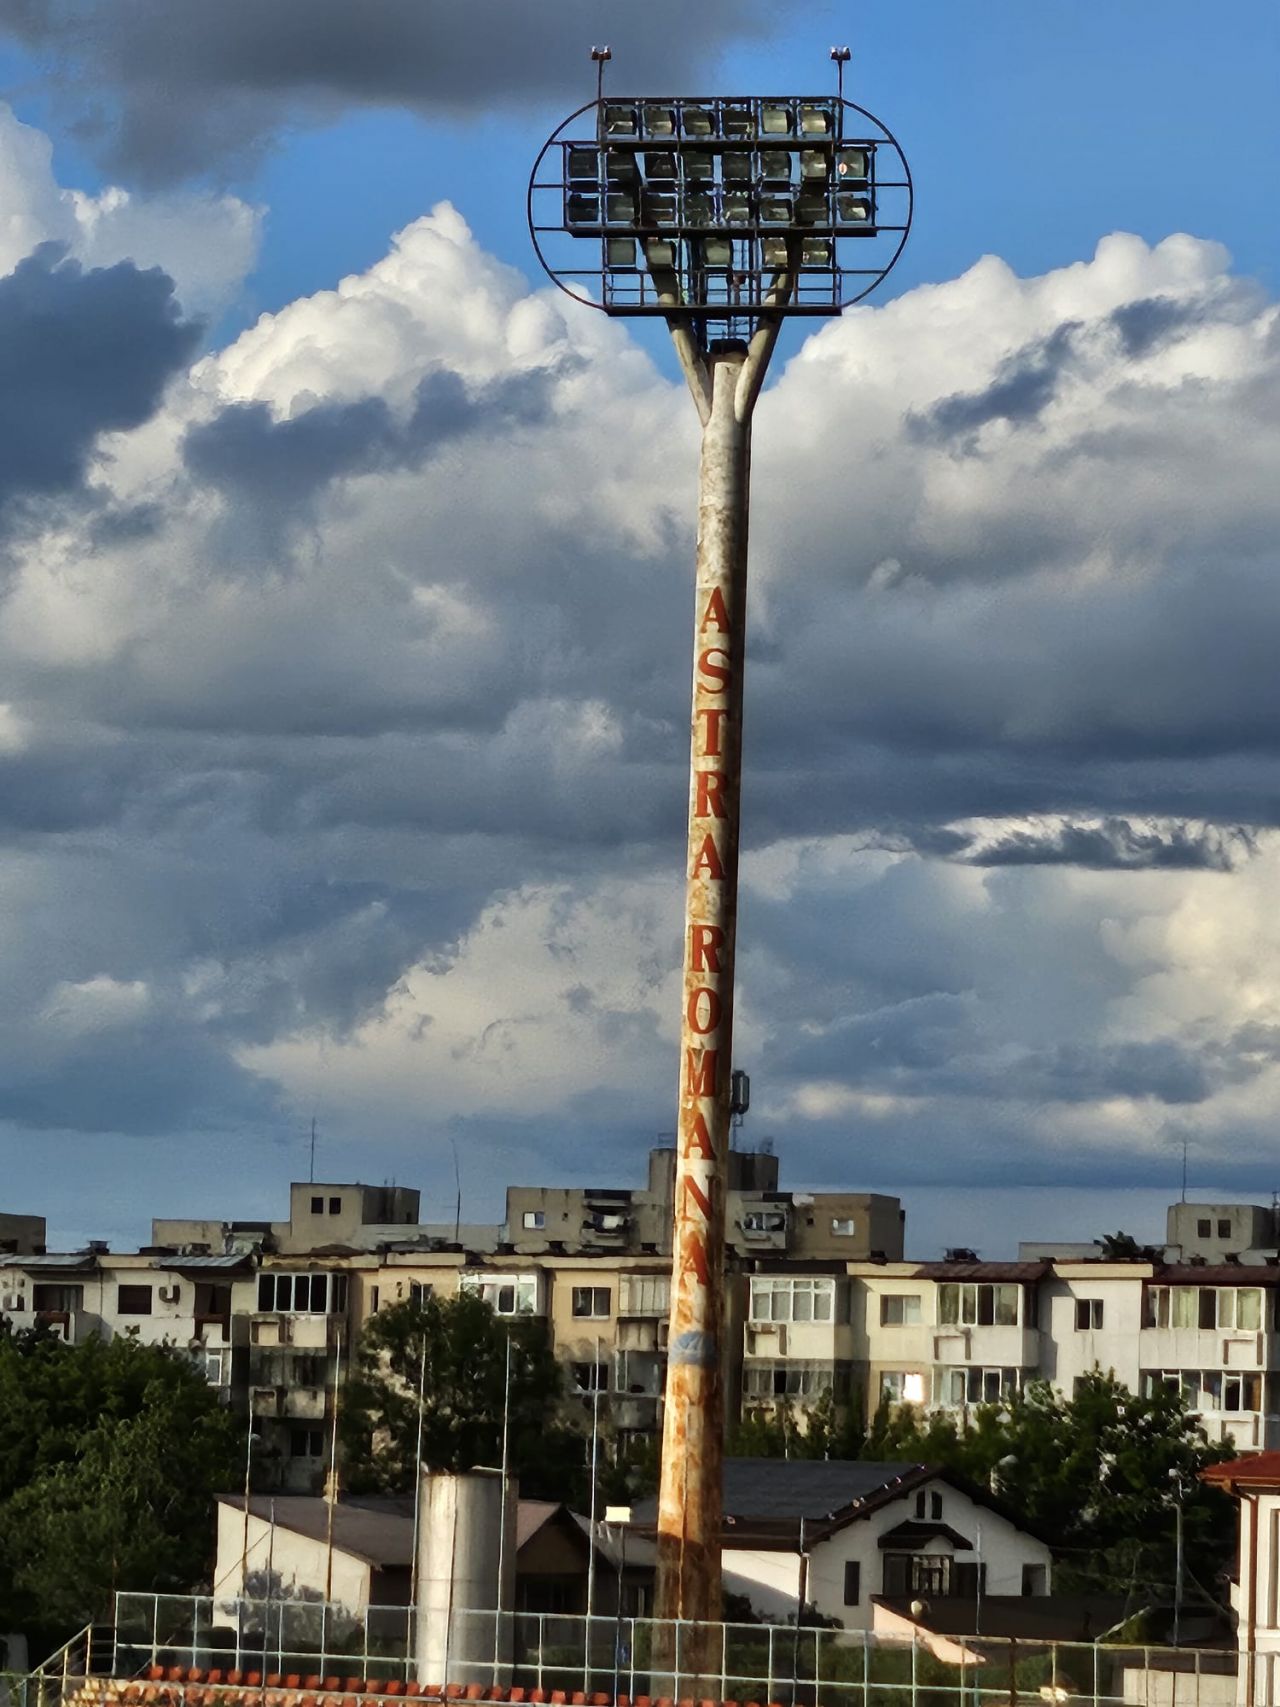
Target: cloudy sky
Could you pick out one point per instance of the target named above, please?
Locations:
(345, 588)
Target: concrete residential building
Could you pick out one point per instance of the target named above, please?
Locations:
(347, 1215)
(1254, 1481)
(22, 1235)
(187, 1302)
(761, 1220)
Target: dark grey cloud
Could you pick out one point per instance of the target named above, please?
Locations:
(81, 353)
(281, 464)
(1020, 392)
(1112, 845)
(180, 91)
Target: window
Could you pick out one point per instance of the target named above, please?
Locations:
(1207, 1390)
(375, 1294)
(1224, 1229)
(590, 1377)
(764, 1221)
(921, 1499)
(989, 1386)
(797, 1298)
(50, 1299)
(306, 1443)
(1204, 1229)
(1240, 1307)
(420, 1291)
(980, 1305)
(843, 1228)
(209, 1364)
(935, 1507)
(917, 1574)
(1088, 1314)
(767, 1378)
(899, 1309)
(1204, 1307)
(645, 1295)
(1033, 1579)
(592, 1301)
(902, 1386)
(302, 1294)
(133, 1300)
(534, 1220)
(852, 1582)
(317, 1205)
(506, 1295)
(335, 1206)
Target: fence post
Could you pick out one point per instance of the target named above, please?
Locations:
(541, 1639)
(769, 1689)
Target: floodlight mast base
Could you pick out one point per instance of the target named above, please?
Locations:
(725, 381)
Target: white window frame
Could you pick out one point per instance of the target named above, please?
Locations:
(493, 1288)
(797, 1298)
(901, 1309)
(591, 1297)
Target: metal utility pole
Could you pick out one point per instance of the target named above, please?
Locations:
(728, 213)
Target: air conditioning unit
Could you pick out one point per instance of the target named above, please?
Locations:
(13, 1301)
(169, 1294)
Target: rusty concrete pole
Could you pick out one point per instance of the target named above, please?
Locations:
(725, 385)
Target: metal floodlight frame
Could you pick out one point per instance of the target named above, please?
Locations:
(700, 193)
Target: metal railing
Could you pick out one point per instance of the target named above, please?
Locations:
(313, 1645)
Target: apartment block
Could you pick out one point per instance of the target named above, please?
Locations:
(197, 1303)
(761, 1220)
(819, 1300)
(345, 1215)
(21, 1235)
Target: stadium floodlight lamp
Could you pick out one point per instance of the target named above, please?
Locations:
(737, 167)
(724, 216)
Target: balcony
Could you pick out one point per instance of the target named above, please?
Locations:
(267, 1401)
(303, 1404)
(1007, 1347)
(1207, 1348)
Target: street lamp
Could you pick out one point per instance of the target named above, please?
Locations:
(723, 216)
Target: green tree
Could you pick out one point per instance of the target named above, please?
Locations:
(463, 1383)
(1100, 1475)
(825, 1430)
(111, 1455)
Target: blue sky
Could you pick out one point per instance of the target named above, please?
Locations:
(1032, 129)
(342, 656)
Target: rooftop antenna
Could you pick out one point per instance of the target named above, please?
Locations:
(312, 1174)
(1184, 1170)
(457, 1207)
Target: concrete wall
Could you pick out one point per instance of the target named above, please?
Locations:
(296, 1563)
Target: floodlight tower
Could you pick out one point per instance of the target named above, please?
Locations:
(723, 216)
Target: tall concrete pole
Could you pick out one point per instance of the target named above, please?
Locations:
(725, 385)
